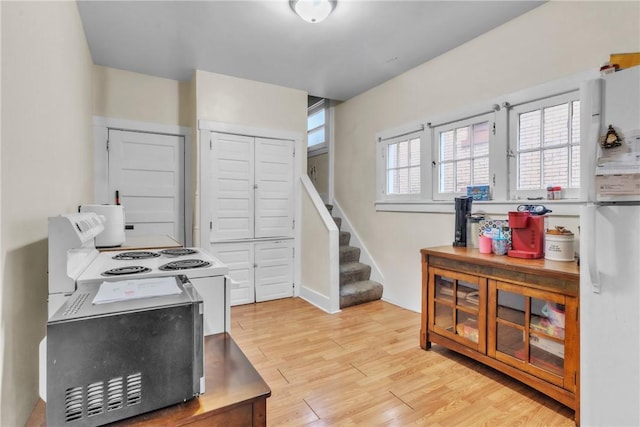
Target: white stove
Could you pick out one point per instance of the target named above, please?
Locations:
(74, 260)
(121, 265)
(205, 272)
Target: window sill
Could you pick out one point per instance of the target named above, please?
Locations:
(312, 152)
(564, 207)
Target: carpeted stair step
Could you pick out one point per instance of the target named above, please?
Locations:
(338, 221)
(345, 237)
(354, 272)
(349, 254)
(359, 293)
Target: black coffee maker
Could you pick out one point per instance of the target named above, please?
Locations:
(463, 209)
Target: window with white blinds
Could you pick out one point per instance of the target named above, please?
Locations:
(518, 144)
(462, 153)
(403, 166)
(545, 145)
(399, 166)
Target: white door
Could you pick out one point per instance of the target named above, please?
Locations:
(147, 171)
(274, 270)
(274, 188)
(239, 258)
(231, 179)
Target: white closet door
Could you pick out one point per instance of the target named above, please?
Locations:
(147, 169)
(274, 270)
(239, 258)
(232, 176)
(274, 188)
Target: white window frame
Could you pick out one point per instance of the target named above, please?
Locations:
(383, 140)
(514, 113)
(322, 148)
(503, 197)
(435, 144)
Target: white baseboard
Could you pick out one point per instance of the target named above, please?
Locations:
(317, 299)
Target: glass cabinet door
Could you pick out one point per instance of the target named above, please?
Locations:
(529, 330)
(456, 300)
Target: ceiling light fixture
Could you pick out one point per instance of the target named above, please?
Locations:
(313, 11)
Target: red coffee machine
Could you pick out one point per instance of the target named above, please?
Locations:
(527, 231)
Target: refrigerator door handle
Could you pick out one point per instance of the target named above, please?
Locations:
(589, 213)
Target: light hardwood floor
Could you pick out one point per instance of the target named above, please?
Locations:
(364, 367)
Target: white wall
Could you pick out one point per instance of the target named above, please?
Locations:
(46, 170)
(552, 41)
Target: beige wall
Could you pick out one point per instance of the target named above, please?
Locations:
(321, 181)
(316, 276)
(140, 97)
(243, 102)
(46, 170)
(552, 41)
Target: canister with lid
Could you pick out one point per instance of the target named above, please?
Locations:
(559, 244)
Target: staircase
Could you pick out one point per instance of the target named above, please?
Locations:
(355, 284)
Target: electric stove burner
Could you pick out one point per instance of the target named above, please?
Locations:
(184, 264)
(136, 255)
(130, 269)
(179, 252)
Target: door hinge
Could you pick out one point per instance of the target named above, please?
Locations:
(107, 145)
(494, 128)
(293, 225)
(210, 144)
(293, 252)
(294, 151)
(210, 225)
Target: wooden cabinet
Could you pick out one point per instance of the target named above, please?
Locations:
(518, 316)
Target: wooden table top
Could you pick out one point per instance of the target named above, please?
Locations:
(561, 269)
(231, 380)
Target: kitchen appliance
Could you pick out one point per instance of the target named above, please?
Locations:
(113, 233)
(527, 235)
(206, 273)
(473, 230)
(610, 251)
(74, 260)
(106, 362)
(71, 250)
(463, 209)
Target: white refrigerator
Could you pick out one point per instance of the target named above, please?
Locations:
(610, 253)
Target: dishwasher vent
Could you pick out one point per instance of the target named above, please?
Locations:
(73, 399)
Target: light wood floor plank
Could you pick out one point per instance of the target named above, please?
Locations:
(364, 367)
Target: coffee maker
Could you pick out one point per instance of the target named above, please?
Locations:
(463, 209)
(527, 232)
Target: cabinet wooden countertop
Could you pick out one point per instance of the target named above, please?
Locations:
(564, 271)
(231, 382)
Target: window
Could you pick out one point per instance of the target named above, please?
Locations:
(545, 145)
(400, 176)
(462, 155)
(403, 166)
(517, 144)
(317, 127)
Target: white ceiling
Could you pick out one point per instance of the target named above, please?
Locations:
(360, 45)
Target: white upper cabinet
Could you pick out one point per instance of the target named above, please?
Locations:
(251, 187)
